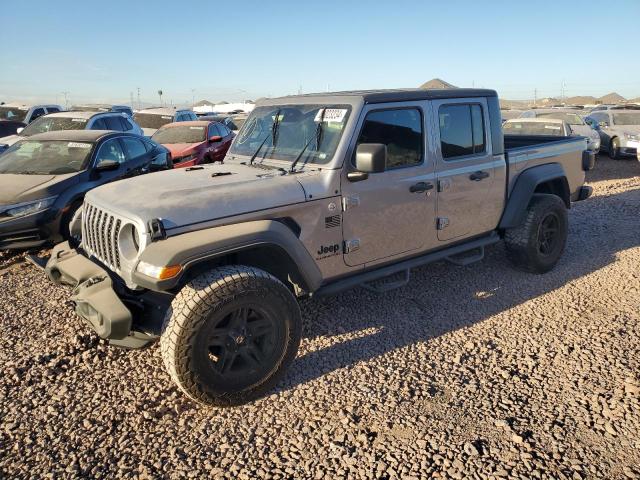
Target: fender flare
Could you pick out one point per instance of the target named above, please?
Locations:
(193, 248)
(526, 184)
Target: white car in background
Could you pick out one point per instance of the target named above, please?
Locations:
(537, 126)
(575, 121)
(116, 121)
(619, 131)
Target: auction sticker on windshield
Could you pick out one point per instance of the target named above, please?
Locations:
(331, 115)
(78, 145)
(81, 120)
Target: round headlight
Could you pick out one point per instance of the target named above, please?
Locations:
(129, 242)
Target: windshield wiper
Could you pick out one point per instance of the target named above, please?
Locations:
(316, 137)
(274, 132)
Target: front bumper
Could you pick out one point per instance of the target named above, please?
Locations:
(30, 231)
(630, 148)
(95, 297)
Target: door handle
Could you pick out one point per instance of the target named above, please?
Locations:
(477, 176)
(420, 187)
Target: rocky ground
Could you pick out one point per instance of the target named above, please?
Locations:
(466, 372)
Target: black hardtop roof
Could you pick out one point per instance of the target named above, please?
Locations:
(405, 95)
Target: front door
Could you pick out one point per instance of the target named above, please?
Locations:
(383, 215)
(470, 181)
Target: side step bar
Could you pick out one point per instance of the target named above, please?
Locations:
(405, 266)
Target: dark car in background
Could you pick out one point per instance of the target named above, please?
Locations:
(103, 107)
(232, 122)
(151, 119)
(195, 143)
(43, 180)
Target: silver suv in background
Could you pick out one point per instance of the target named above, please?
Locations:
(119, 122)
(151, 119)
(575, 121)
(619, 131)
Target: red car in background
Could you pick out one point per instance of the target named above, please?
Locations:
(194, 143)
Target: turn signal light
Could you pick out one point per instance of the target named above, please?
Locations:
(159, 273)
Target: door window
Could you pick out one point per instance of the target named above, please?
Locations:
(462, 130)
(213, 130)
(38, 112)
(99, 125)
(133, 148)
(53, 109)
(110, 150)
(400, 130)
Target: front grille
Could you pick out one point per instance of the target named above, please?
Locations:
(100, 235)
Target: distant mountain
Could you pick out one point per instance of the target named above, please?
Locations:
(204, 103)
(581, 100)
(436, 83)
(612, 98)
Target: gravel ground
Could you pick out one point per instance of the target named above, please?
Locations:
(467, 372)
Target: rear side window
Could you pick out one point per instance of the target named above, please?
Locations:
(462, 130)
(37, 113)
(99, 124)
(113, 123)
(125, 124)
(133, 148)
(53, 109)
(400, 130)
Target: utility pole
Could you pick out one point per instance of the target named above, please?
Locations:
(535, 96)
(139, 106)
(66, 101)
(193, 97)
(562, 92)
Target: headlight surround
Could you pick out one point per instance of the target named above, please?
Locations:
(26, 208)
(159, 273)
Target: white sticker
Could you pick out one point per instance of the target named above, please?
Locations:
(78, 145)
(81, 120)
(331, 115)
(24, 109)
(551, 127)
(167, 118)
(196, 128)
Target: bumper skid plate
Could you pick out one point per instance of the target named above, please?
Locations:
(94, 296)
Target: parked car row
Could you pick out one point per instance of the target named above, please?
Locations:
(54, 157)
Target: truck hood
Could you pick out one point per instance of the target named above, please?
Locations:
(193, 196)
(16, 188)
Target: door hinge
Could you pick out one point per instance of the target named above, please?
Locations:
(350, 202)
(443, 222)
(351, 245)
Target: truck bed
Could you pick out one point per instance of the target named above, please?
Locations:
(526, 151)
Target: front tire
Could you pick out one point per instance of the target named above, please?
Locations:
(230, 334)
(537, 244)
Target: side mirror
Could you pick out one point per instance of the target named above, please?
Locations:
(215, 138)
(370, 158)
(107, 165)
(19, 131)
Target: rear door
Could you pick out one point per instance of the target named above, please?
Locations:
(382, 217)
(137, 158)
(470, 182)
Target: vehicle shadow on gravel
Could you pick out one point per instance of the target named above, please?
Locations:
(357, 326)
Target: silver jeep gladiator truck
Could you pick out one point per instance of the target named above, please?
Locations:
(318, 194)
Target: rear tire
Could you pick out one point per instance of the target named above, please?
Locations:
(537, 244)
(614, 149)
(230, 334)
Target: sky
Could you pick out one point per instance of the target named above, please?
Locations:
(104, 51)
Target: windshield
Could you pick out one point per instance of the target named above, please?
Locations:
(181, 134)
(52, 124)
(13, 113)
(296, 126)
(152, 120)
(626, 118)
(533, 128)
(45, 157)
(570, 118)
